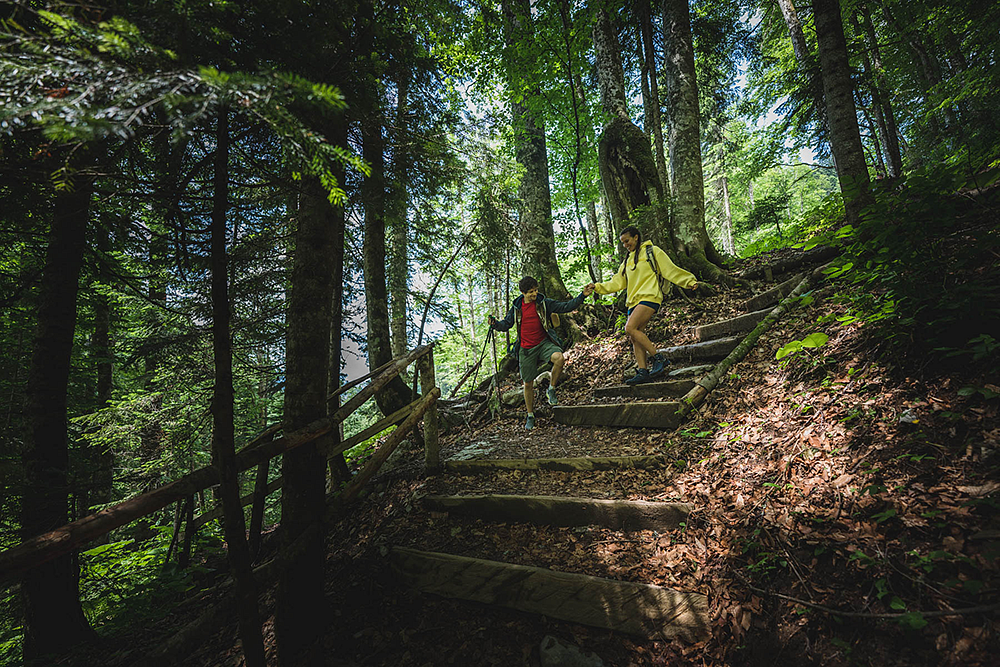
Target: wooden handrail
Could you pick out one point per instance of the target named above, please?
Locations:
(68, 538)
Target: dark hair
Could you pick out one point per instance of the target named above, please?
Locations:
(526, 284)
(633, 231)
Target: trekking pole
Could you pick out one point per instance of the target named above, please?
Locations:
(496, 372)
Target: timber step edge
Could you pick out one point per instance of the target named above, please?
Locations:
(636, 609)
(658, 414)
(581, 464)
(564, 511)
(710, 349)
(656, 389)
(772, 296)
(736, 325)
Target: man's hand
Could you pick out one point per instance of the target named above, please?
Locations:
(588, 289)
(492, 320)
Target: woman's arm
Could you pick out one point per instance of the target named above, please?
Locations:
(616, 284)
(672, 272)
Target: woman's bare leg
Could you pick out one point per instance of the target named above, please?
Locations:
(641, 345)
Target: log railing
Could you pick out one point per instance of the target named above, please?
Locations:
(257, 454)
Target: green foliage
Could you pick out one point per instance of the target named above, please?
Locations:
(919, 264)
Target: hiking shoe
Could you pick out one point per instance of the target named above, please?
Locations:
(550, 394)
(641, 375)
(529, 423)
(657, 363)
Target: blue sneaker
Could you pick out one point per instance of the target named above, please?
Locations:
(550, 394)
(529, 423)
(657, 363)
(641, 375)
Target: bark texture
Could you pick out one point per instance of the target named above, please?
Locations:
(373, 194)
(223, 429)
(301, 611)
(536, 235)
(53, 618)
(687, 184)
(845, 137)
(625, 158)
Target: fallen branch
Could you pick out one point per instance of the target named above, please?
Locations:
(708, 382)
(981, 609)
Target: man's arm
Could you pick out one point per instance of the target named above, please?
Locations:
(504, 324)
(553, 306)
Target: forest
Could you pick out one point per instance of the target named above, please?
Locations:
(257, 411)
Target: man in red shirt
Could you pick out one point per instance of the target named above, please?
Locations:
(536, 343)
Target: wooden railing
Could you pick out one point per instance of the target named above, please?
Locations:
(257, 454)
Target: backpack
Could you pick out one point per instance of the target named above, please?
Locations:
(663, 283)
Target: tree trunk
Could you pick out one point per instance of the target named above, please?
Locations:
(98, 475)
(338, 464)
(728, 215)
(625, 157)
(880, 87)
(399, 224)
(373, 195)
(595, 233)
(807, 62)
(300, 616)
(223, 429)
(845, 137)
(536, 235)
(53, 619)
(645, 20)
(693, 247)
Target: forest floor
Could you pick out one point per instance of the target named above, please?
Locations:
(836, 480)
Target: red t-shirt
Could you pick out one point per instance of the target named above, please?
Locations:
(532, 332)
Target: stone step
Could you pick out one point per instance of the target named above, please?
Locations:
(636, 415)
(772, 296)
(711, 349)
(581, 464)
(655, 389)
(642, 610)
(736, 325)
(565, 511)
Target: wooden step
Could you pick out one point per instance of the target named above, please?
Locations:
(711, 349)
(564, 511)
(772, 296)
(732, 326)
(658, 389)
(659, 414)
(689, 371)
(642, 610)
(582, 464)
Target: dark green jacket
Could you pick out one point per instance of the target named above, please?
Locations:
(545, 307)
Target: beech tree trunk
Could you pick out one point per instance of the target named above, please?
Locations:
(625, 157)
(223, 429)
(53, 619)
(536, 235)
(845, 137)
(649, 62)
(693, 247)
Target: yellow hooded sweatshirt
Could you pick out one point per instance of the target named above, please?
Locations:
(642, 282)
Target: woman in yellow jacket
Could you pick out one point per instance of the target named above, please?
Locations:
(643, 297)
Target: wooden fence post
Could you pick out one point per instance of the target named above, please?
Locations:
(432, 448)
